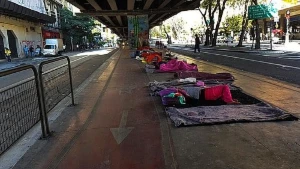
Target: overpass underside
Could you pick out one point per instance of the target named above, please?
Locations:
(113, 13)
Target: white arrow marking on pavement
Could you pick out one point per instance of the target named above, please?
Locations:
(122, 132)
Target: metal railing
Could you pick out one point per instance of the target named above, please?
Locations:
(27, 102)
(55, 84)
(20, 107)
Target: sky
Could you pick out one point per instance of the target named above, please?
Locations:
(192, 18)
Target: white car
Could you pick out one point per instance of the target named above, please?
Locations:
(229, 40)
(221, 39)
(275, 39)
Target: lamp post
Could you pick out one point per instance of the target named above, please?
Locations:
(226, 26)
(271, 26)
(192, 37)
(287, 27)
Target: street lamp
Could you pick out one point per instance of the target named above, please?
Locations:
(287, 26)
(226, 26)
(192, 36)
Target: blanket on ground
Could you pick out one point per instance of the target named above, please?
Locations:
(226, 114)
(204, 76)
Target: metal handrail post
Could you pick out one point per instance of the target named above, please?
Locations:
(71, 80)
(40, 73)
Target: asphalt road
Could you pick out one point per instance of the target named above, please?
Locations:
(76, 59)
(285, 67)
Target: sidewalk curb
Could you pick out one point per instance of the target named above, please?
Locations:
(246, 51)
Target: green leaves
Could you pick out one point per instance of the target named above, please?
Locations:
(233, 23)
(76, 25)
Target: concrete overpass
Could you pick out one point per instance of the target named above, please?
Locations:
(113, 13)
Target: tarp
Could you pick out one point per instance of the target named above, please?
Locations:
(204, 115)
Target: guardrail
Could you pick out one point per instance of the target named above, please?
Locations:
(27, 102)
(56, 84)
(20, 107)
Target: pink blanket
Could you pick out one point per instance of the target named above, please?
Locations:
(176, 65)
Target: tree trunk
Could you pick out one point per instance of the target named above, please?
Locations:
(212, 24)
(207, 37)
(257, 42)
(244, 24)
(168, 37)
(207, 25)
(214, 43)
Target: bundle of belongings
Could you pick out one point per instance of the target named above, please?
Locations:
(162, 61)
(191, 91)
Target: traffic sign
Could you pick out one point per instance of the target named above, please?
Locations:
(261, 11)
(276, 18)
(294, 2)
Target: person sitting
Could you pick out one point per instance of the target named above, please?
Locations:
(8, 54)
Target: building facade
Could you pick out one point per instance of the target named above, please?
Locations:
(20, 25)
(52, 30)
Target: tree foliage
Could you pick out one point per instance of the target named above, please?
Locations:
(208, 10)
(176, 25)
(76, 26)
(233, 23)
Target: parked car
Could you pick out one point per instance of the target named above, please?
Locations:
(229, 40)
(53, 47)
(275, 39)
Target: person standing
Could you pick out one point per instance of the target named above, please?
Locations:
(38, 50)
(31, 50)
(8, 54)
(25, 49)
(197, 43)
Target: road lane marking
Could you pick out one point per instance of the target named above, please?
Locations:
(122, 131)
(258, 61)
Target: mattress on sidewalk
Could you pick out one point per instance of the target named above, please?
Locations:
(204, 75)
(205, 115)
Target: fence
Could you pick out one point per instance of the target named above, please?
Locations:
(27, 102)
(20, 107)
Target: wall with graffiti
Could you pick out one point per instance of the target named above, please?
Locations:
(138, 31)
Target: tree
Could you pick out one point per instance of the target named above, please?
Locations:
(257, 33)
(233, 23)
(76, 26)
(244, 23)
(166, 29)
(155, 32)
(176, 25)
(211, 8)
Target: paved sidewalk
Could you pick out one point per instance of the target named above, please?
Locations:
(117, 125)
